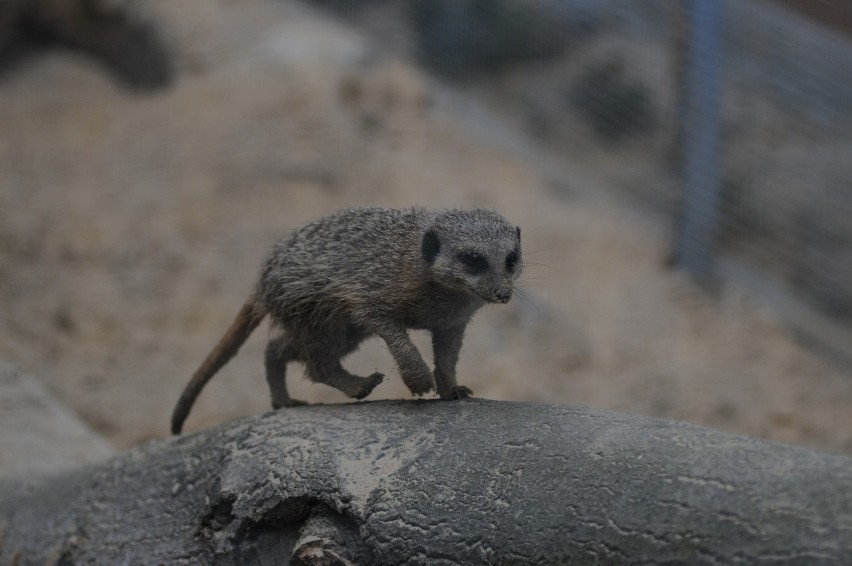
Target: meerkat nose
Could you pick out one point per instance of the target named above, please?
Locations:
(502, 295)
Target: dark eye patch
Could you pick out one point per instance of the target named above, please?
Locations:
(473, 262)
(511, 261)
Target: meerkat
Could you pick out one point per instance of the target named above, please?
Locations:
(372, 271)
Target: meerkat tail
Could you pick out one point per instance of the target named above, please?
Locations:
(247, 320)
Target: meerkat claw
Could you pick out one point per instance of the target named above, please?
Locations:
(459, 392)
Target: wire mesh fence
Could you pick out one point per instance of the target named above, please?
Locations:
(738, 112)
(787, 148)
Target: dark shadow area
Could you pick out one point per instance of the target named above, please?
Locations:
(130, 50)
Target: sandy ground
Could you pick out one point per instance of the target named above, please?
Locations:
(132, 226)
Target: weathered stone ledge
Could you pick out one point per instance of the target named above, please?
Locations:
(469, 482)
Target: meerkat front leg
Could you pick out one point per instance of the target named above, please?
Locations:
(414, 371)
(446, 344)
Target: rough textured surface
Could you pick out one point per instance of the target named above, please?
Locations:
(441, 483)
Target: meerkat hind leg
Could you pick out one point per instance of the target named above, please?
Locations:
(332, 373)
(323, 360)
(278, 353)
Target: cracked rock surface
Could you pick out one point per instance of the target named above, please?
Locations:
(471, 482)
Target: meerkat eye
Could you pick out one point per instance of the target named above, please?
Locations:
(473, 262)
(511, 261)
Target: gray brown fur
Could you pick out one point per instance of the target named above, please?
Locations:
(372, 271)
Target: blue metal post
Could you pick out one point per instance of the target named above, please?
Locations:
(701, 174)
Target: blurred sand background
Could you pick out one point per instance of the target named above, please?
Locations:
(132, 226)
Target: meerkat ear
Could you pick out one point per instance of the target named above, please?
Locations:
(431, 246)
(518, 232)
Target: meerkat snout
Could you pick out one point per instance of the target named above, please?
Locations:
(502, 295)
(477, 253)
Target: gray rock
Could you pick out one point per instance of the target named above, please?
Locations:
(469, 482)
(39, 435)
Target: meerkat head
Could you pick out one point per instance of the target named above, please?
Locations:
(477, 251)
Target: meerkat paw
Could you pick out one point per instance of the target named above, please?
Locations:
(288, 403)
(370, 383)
(457, 392)
(421, 386)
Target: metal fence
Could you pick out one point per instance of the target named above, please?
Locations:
(742, 111)
(767, 165)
